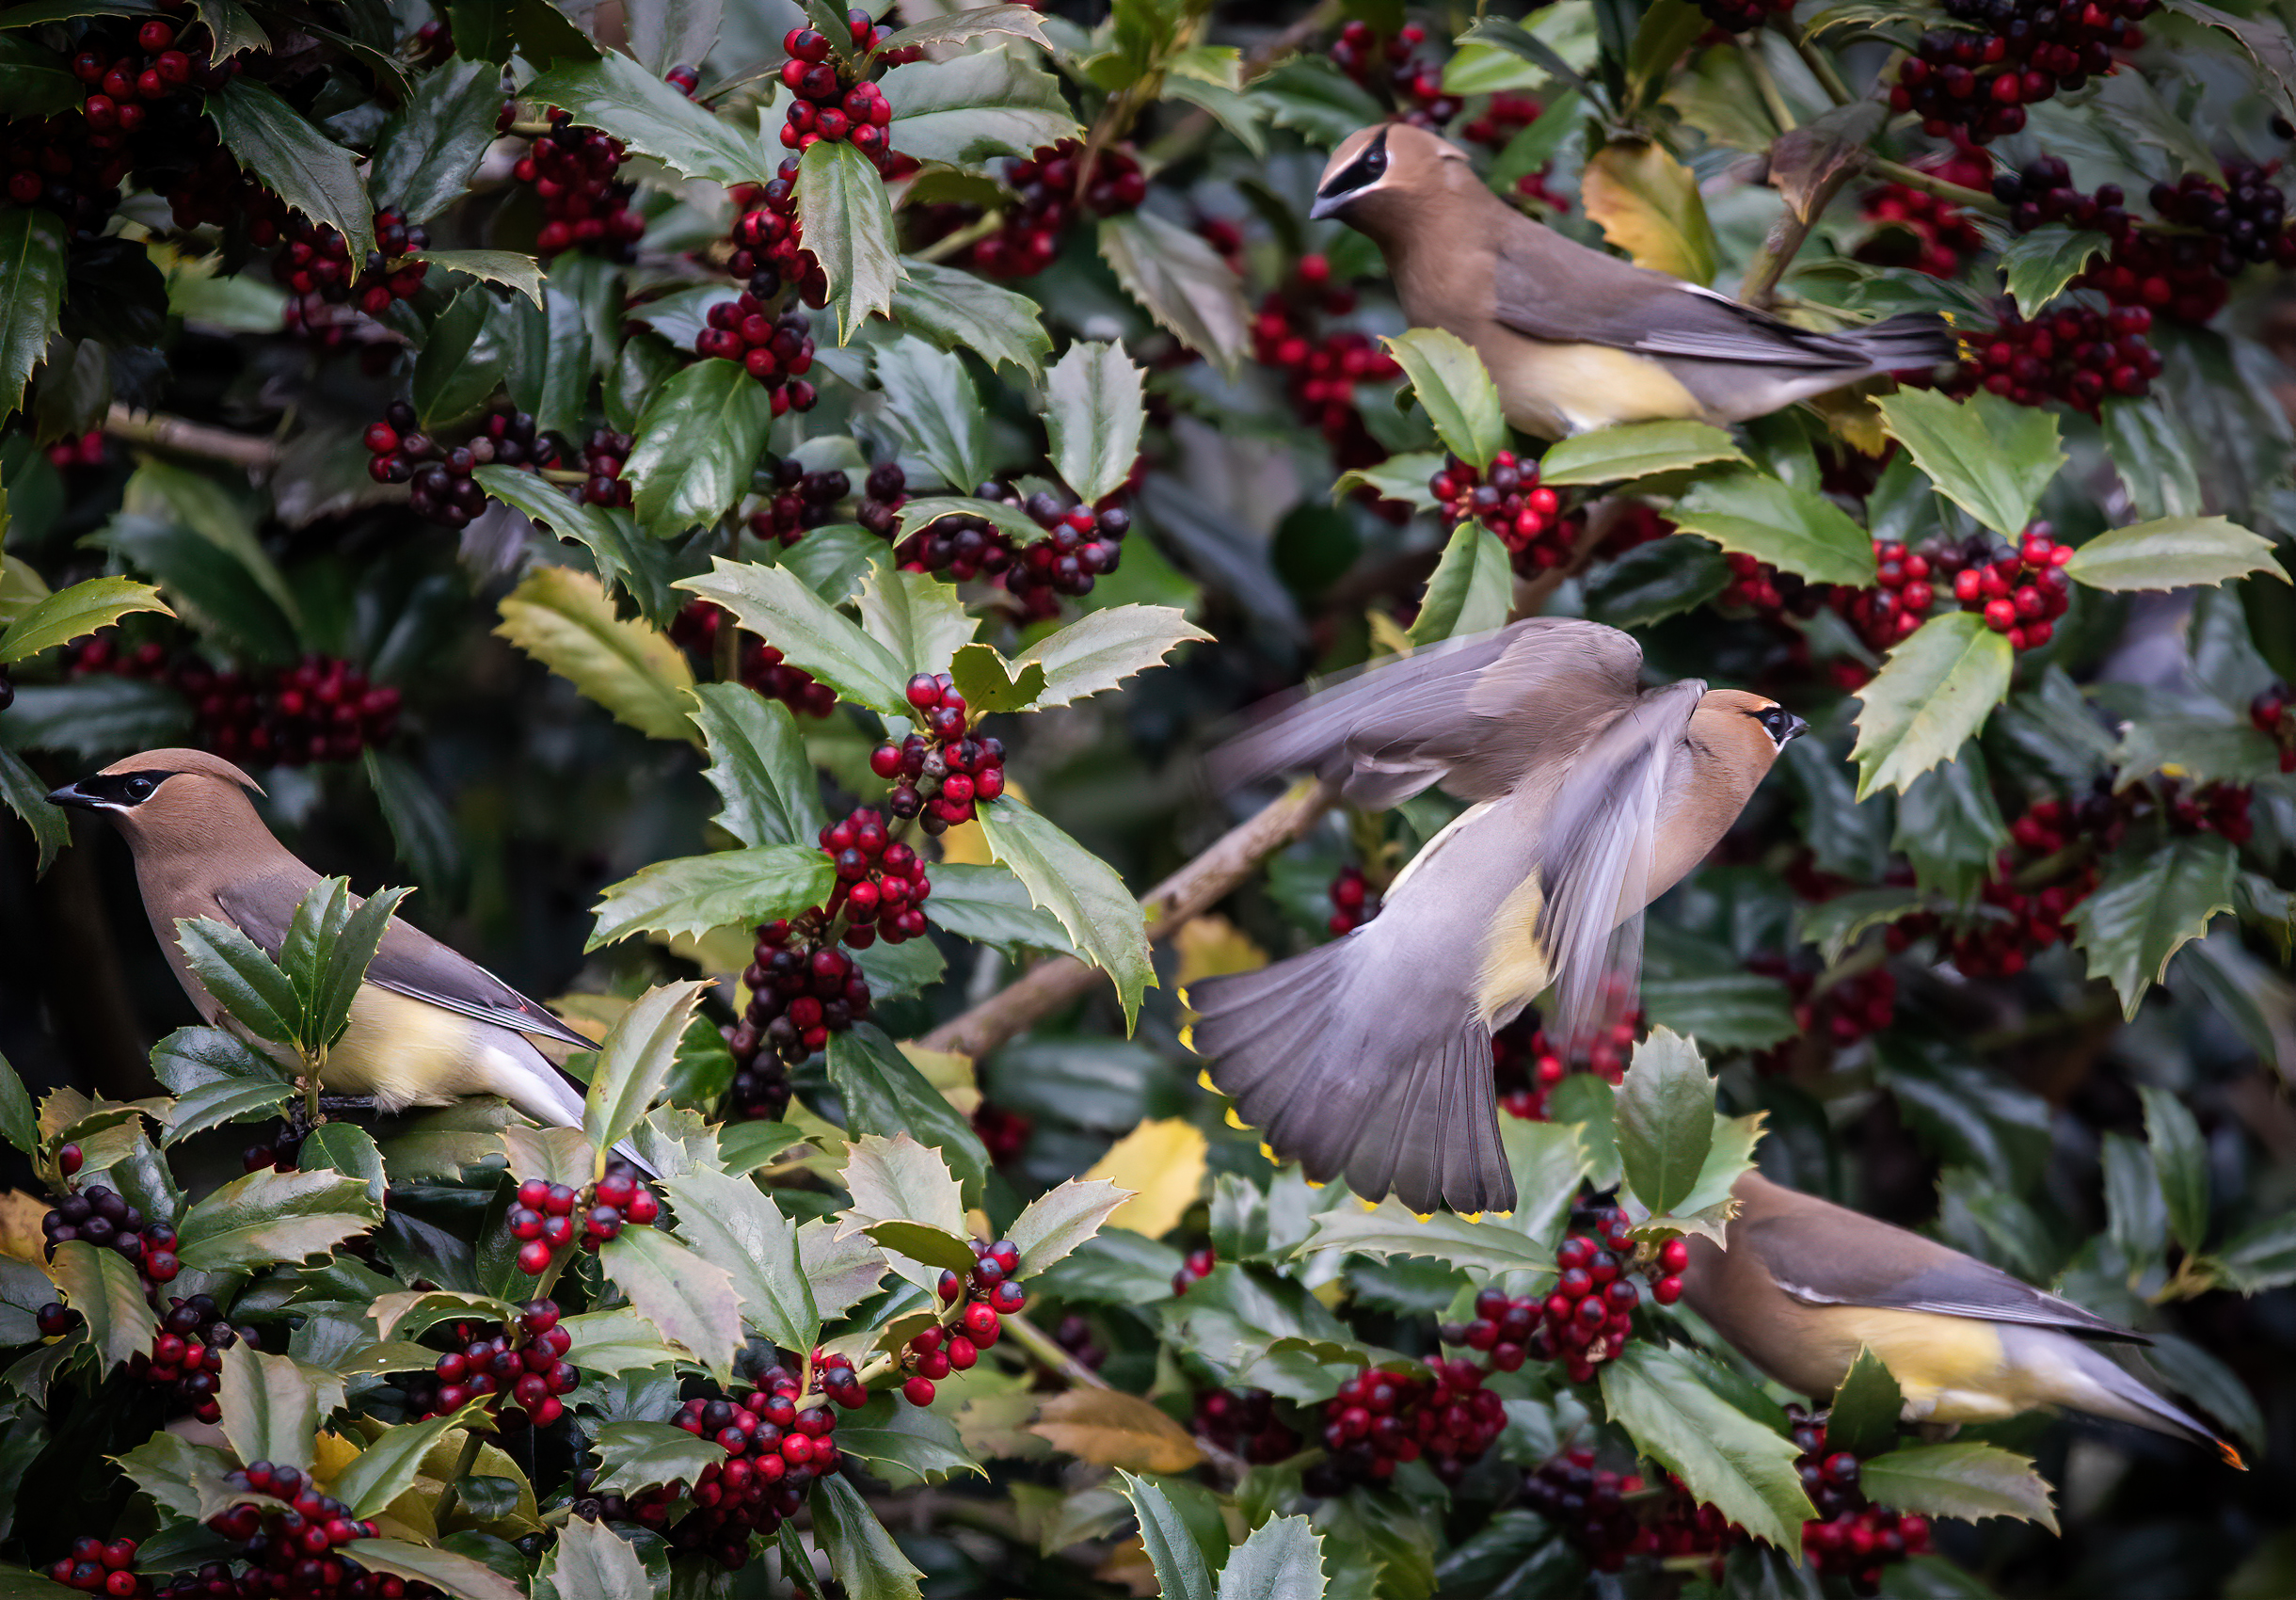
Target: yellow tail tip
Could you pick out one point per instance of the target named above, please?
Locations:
(1235, 1121)
(1187, 1042)
(1203, 1076)
(1467, 1217)
(1269, 1151)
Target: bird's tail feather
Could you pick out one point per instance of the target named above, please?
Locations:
(2109, 1390)
(1353, 1078)
(1908, 340)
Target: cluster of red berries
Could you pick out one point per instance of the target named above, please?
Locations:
(1586, 1318)
(185, 1360)
(800, 992)
(1393, 62)
(1591, 1506)
(524, 1364)
(2273, 714)
(1379, 1421)
(941, 772)
(95, 1567)
(777, 351)
(603, 456)
(2009, 55)
(758, 665)
(1898, 603)
(990, 1292)
(1504, 116)
(572, 171)
(769, 250)
(212, 190)
(1081, 543)
(105, 1219)
(1918, 230)
(1194, 1269)
(881, 885)
(2074, 355)
(2020, 592)
(1756, 585)
(2030, 913)
(316, 263)
(320, 710)
(1849, 1537)
(280, 1155)
(1243, 1422)
(823, 108)
(543, 1220)
(1321, 367)
(1512, 502)
(440, 487)
(289, 1541)
(1838, 1016)
(774, 1448)
(56, 164)
(1003, 1133)
(121, 88)
(1352, 902)
(1525, 1068)
(83, 450)
(1048, 186)
(799, 500)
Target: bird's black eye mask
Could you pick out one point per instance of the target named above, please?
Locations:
(123, 789)
(1781, 725)
(1360, 173)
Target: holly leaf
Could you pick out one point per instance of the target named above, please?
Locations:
(813, 636)
(430, 148)
(1094, 412)
(1795, 530)
(1665, 1120)
(988, 683)
(563, 619)
(848, 225)
(1102, 920)
(690, 1300)
(1635, 450)
(1390, 1229)
(1987, 455)
(1110, 1427)
(1172, 1548)
(965, 109)
(269, 1217)
(634, 1062)
(1282, 1560)
(917, 616)
(1060, 1219)
(295, 161)
(1969, 1481)
(884, 1094)
(958, 311)
(1186, 285)
(271, 1408)
(616, 94)
(697, 894)
(74, 613)
(1726, 1457)
(695, 444)
(103, 1288)
(1471, 590)
(2170, 553)
(1863, 1420)
(31, 295)
(1932, 696)
(861, 1553)
(2040, 265)
(1455, 390)
(1101, 648)
(758, 766)
(1647, 204)
(2150, 904)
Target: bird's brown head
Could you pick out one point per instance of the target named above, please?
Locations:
(1377, 174)
(187, 797)
(1745, 732)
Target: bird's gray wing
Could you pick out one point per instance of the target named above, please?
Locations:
(1473, 713)
(410, 963)
(1558, 290)
(1868, 1262)
(1594, 860)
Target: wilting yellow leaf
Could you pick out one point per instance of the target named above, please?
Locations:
(19, 1234)
(1163, 1163)
(1647, 203)
(1211, 947)
(1109, 1428)
(332, 1453)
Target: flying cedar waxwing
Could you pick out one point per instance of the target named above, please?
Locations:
(1370, 1057)
(428, 1027)
(1576, 339)
(1803, 1283)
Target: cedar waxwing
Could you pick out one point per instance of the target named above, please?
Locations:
(428, 1027)
(1803, 1283)
(1370, 1057)
(1576, 339)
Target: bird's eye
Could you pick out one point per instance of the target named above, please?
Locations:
(1375, 163)
(139, 788)
(1774, 720)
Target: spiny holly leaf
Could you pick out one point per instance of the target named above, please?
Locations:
(2039, 264)
(774, 604)
(733, 1223)
(634, 1062)
(74, 613)
(861, 1553)
(2149, 905)
(695, 894)
(1970, 1481)
(23, 791)
(457, 1573)
(1795, 530)
(1727, 1460)
(1666, 1116)
(1863, 1420)
(1987, 455)
(563, 619)
(757, 765)
(1103, 920)
(917, 616)
(271, 1409)
(958, 311)
(691, 1300)
(512, 270)
(988, 683)
(848, 225)
(1101, 648)
(1456, 391)
(962, 27)
(2171, 553)
(1931, 697)
(1647, 203)
(1184, 283)
(588, 1560)
(697, 442)
(1281, 1561)
(1473, 588)
(216, 1078)
(269, 1217)
(31, 295)
(103, 1288)
(2180, 1156)
(295, 161)
(391, 1462)
(1390, 1229)
(1180, 1572)
(1060, 1220)
(425, 159)
(1094, 412)
(1635, 450)
(618, 95)
(259, 997)
(885, 1094)
(930, 398)
(967, 108)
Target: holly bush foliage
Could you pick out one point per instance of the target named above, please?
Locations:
(755, 512)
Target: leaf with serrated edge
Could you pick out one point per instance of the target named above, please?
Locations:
(2171, 553)
(1931, 695)
(1727, 1460)
(1101, 648)
(1795, 530)
(841, 1271)
(988, 683)
(961, 27)
(2181, 1157)
(1060, 1220)
(507, 267)
(1181, 1574)
(959, 312)
(1863, 1420)
(967, 108)
(643, 1455)
(1455, 390)
(735, 1224)
(917, 616)
(1635, 450)
(695, 444)
(1094, 412)
(1665, 1106)
(103, 1288)
(1472, 589)
(590, 1562)
(758, 766)
(1969, 1481)
(634, 1062)
(428, 151)
(1184, 283)
(271, 1412)
(897, 1179)
(75, 612)
(1110, 1427)
(618, 95)
(457, 1573)
(295, 161)
(269, 1217)
(31, 295)
(1281, 1561)
(1390, 1229)
(694, 894)
(1987, 456)
(848, 225)
(1103, 920)
(775, 603)
(861, 1553)
(391, 1462)
(690, 1300)
(563, 619)
(2148, 906)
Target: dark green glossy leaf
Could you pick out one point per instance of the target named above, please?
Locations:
(885, 1095)
(247, 983)
(1795, 530)
(1666, 1113)
(1987, 456)
(988, 904)
(732, 1223)
(959, 312)
(2171, 553)
(2180, 1158)
(861, 1553)
(696, 445)
(1930, 697)
(216, 1078)
(690, 1300)
(634, 1062)
(269, 1217)
(757, 765)
(31, 295)
(1471, 590)
(1633, 450)
(1455, 391)
(425, 157)
(1093, 413)
(2149, 905)
(1104, 922)
(1863, 1420)
(295, 161)
(695, 894)
(22, 792)
(1184, 283)
(1727, 1460)
(929, 397)
(848, 225)
(104, 1286)
(463, 359)
(34, 81)
(1971, 1481)
(618, 95)
(967, 108)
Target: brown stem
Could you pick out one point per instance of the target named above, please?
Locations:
(1048, 985)
(191, 438)
(1779, 248)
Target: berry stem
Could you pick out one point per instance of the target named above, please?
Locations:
(1771, 98)
(1820, 64)
(1930, 183)
(463, 1465)
(963, 239)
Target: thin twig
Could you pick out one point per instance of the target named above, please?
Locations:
(463, 1465)
(1930, 183)
(1820, 64)
(1759, 65)
(963, 238)
(191, 438)
(1779, 248)
(1048, 985)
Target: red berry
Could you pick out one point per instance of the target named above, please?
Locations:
(918, 1391)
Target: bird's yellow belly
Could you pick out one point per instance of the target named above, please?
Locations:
(1555, 389)
(403, 1052)
(1947, 1369)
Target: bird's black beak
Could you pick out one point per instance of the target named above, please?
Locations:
(1326, 205)
(1796, 728)
(76, 796)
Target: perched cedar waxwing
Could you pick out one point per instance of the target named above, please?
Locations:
(428, 1027)
(1370, 1057)
(1803, 1283)
(1576, 339)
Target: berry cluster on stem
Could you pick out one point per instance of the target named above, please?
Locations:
(1509, 501)
(1053, 187)
(583, 206)
(1322, 367)
(1082, 544)
(1379, 1421)
(1244, 1423)
(973, 1309)
(322, 708)
(524, 1364)
(441, 487)
(1977, 78)
(1353, 900)
(549, 1217)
